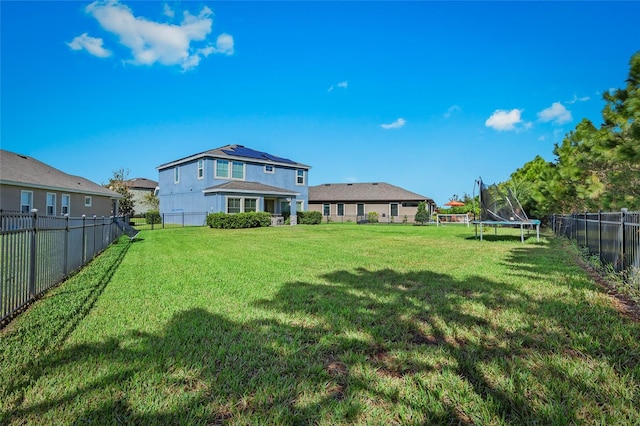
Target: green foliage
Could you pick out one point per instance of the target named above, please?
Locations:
(239, 220)
(151, 200)
(422, 216)
(595, 168)
(372, 217)
(153, 217)
(117, 184)
(309, 218)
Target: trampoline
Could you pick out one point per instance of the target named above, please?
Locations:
(500, 209)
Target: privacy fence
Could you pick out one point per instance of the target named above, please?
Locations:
(613, 236)
(37, 252)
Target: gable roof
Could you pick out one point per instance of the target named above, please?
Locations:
(141, 183)
(373, 191)
(249, 188)
(20, 170)
(237, 152)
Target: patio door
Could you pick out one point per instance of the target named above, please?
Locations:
(270, 205)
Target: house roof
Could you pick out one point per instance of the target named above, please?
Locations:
(237, 152)
(372, 191)
(249, 188)
(21, 170)
(141, 183)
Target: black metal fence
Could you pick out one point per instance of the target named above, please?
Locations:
(170, 220)
(37, 252)
(613, 236)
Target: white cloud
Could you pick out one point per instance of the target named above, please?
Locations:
(452, 110)
(400, 122)
(168, 11)
(153, 42)
(503, 120)
(342, 85)
(557, 113)
(90, 44)
(577, 99)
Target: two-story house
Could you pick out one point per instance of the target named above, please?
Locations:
(234, 179)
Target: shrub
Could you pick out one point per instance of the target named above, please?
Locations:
(153, 217)
(309, 218)
(372, 217)
(239, 220)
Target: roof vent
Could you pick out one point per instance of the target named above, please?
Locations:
(374, 183)
(327, 184)
(349, 184)
(22, 156)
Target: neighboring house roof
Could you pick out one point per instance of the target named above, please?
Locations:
(141, 183)
(373, 191)
(237, 152)
(20, 170)
(249, 188)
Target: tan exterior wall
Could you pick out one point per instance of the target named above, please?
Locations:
(383, 210)
(139, 205)
(10, 200)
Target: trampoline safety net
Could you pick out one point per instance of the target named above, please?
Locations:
(497, 205)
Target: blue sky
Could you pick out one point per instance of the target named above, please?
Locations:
(424, 95)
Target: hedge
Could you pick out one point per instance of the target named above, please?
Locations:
(239, 220)
(309, 218)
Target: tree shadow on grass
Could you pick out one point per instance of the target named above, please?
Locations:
(357, 346)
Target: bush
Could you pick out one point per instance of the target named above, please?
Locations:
(239, 220)
(372, 217)
(153, 217)
(309, 218)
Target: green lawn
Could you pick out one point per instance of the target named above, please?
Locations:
(328, 324)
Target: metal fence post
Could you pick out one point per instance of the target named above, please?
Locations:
(84, 238)
(623, 242)
(586, 227)
(600, 234)
(34, 252)
(66, 246)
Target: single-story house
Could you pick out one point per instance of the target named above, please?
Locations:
(140, 188)
(354, 201)
(234, 179)
(27, 184)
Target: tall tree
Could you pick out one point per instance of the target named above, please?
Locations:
(117, 183)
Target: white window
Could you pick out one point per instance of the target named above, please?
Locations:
(299, 177)
(237, 170)
(65, 204)
(51, 204)
(200, 169)
(176, 175)
(326, 209)
(250, 204)
(87, 201)
(394, 209)
(233, 205)
(299, 206)
(26, 201)
(360, 209)
(268, 168)
(222, 169)
(340, 209)
(240, 205)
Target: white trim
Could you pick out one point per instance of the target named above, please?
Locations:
(90, 201)
(323, 210)
(338, 209)
(397, 209)
(30, 205)
(58, 188)
(200, 169)
(47, 205)
(242, 202)
(176, 174)
(273, 169)
(249, 191)
(68, 206)
(244, 170)
(304, 177)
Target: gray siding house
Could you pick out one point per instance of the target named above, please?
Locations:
(344, 202)
(234, 179)
(140, 188)
(27, 184)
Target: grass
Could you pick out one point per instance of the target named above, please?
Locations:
(328, 324)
